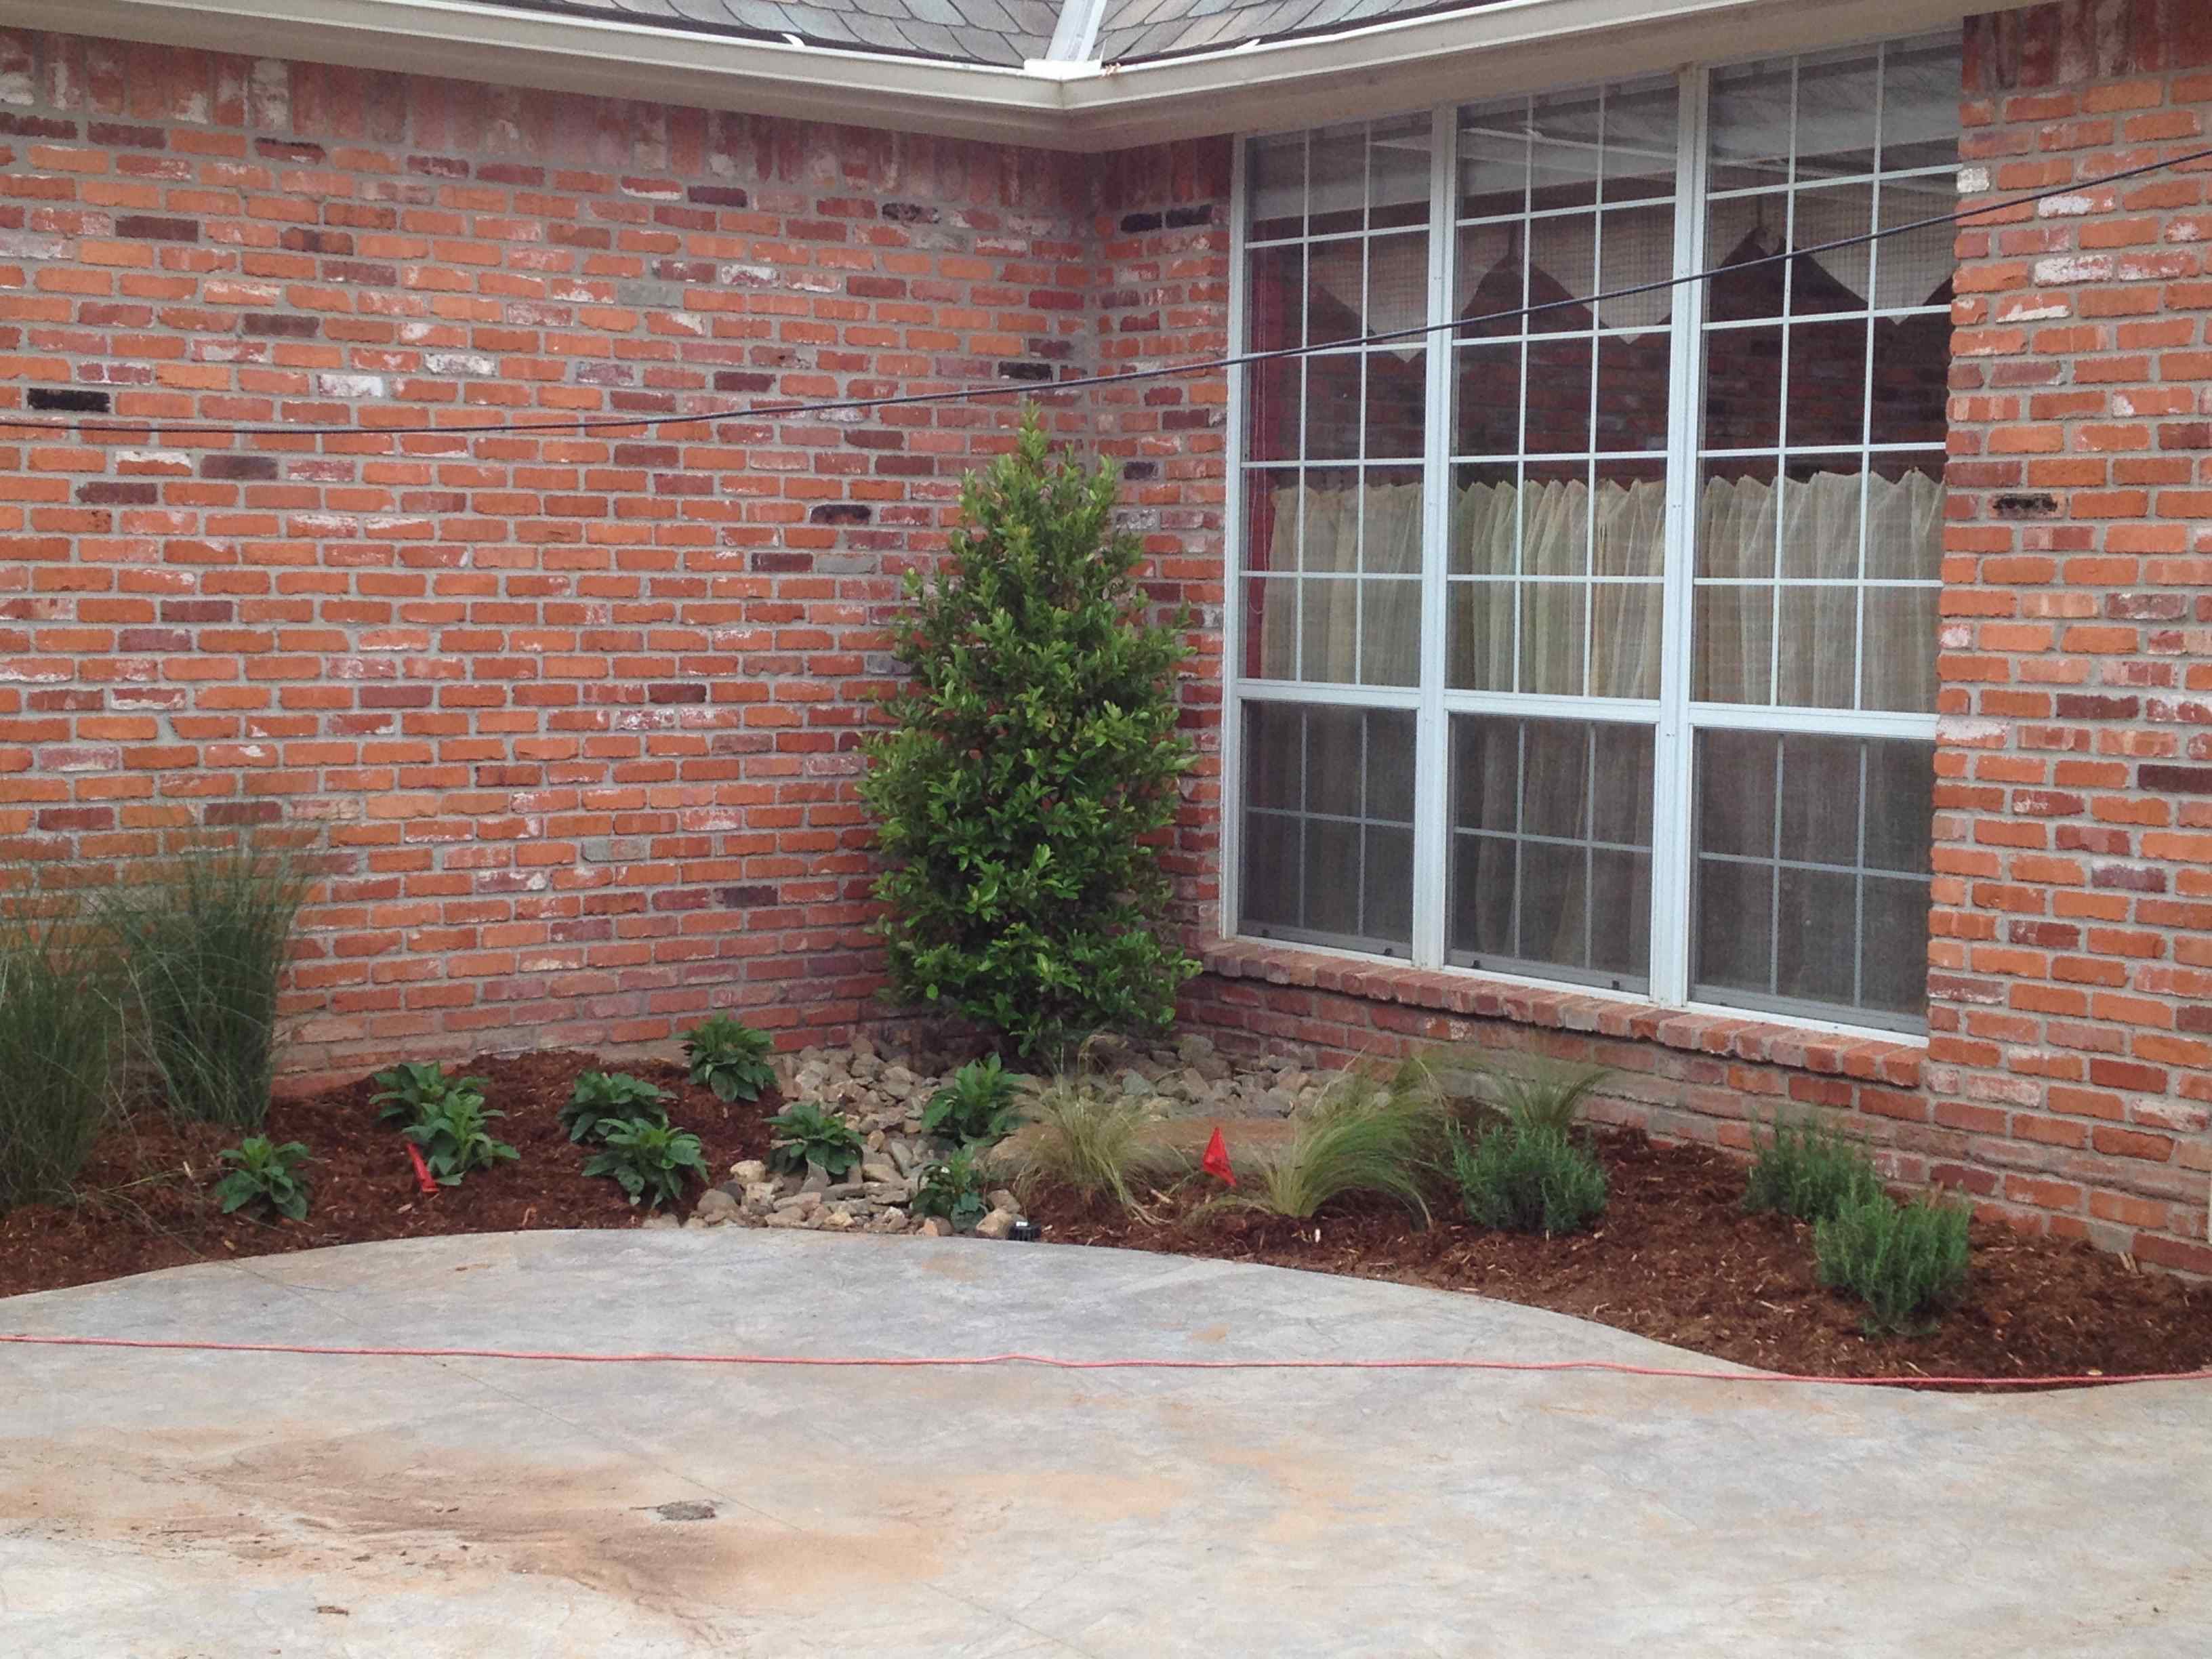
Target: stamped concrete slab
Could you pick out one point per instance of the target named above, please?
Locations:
(167, 1506)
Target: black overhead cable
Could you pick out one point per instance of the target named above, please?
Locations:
(1030, 389)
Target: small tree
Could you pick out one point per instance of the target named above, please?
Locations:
(1033, 752)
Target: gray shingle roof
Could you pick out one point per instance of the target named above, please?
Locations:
(1001, 32)
(1136, 29)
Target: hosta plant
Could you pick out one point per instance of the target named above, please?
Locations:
(1034, 755)
(651, 1161)
(599, 1097)
(730, 1057)
(455, 1136)
(263, 1172)
(806, 1135)
(954, 1189)
(411, 1087)
(976, 1108)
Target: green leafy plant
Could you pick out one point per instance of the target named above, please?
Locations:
(264, 1172)
(806, 1135)
(1543, 1092)
(1034, 755)
(204, 940)
(1811, 1171)
(976, 1108)
(455, 1136)
(651, 1161)
(602, 1097)
(411, 1087)
(1089, 1141)
(1527, 1175)
(1366, 1134)
(1902, 1261)
(730, 1057)
(59, 1049)
(955, 1189)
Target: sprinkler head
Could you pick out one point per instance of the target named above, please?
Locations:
(1025, 1232)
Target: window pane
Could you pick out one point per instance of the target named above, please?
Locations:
(1328, 825)
(1863, 361)
(1551, 867)
(1811, 894)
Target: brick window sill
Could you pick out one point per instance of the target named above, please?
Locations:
(1895, 1061)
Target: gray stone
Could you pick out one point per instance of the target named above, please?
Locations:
(877, 1169)
(1004, 1200)
(715, 1207)
(748, 1172)
(935, 1226)
(661, 1224)
(1192, 1046)
(997, 1224)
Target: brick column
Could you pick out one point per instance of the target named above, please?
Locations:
(2071, 962)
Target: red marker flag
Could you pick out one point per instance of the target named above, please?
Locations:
(1216, 1161)
(421, 1169)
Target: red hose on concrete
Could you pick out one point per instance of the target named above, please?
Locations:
(868, 1362)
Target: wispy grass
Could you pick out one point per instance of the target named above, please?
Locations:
(58, 1028)
(1365, 1135)
(204, 938)
(1090, 1140)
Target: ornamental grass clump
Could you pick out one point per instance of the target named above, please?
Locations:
(59, 1032)
(1907, 1262)
(1090, 1141)
(1811, 1171)
(1034, 754)
(1365, 1135)
(203, 940)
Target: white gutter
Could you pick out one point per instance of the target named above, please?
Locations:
(1386, 68)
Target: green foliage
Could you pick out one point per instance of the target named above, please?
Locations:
(1033, 753)
(1365, 1135)
(1543, 1092)
(412, 1087)
(1902, 1262)
(204, 940)
(955, 1189)
(1810, 1172)
(264, 1172)
(58, 1031)
(976, 1108)
(602, 1097)
(455, 1136)
(730, 1057)
(805, 1134)
(1090, 1141)
(651, 1161)
(1527, 1175)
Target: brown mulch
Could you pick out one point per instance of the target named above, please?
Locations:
(146, 1205)
(1675, 1259)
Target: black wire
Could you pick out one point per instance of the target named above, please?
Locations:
(1128, 376)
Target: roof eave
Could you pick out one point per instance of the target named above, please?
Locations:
(1511, 46)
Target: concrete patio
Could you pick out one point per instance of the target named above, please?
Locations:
(162, 1506)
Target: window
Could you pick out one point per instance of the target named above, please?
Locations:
(1596, 643)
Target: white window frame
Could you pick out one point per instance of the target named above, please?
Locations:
(1675, 720)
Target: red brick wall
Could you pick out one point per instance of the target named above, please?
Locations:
(575, 716)
(2072, 975)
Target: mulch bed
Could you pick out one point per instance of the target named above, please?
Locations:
(1673, 1258)
(146, 1203)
